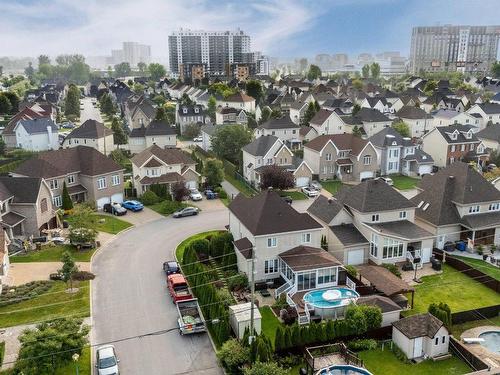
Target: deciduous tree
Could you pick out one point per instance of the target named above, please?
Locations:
(211, 108)
(228, 141)
(254, 89)
(402, 128)
(123, 69)
(365, 71)
(375, 70)
(68, 269)
(276, 177)
(119, 135)
(179, 191)
(314, 72)
(213, 171)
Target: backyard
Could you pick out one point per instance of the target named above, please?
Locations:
(331, 186)
(459, 291)
(404, 182)
(482, 266)
(385, 362)
(53, 253)
(458, 329)
(269, 322)
(54, 303)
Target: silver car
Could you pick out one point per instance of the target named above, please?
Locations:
(106, 361)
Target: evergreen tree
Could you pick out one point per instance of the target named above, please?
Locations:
(279, 339)
(67, 203)
(72, 102)
(119, 135)
(68, 268)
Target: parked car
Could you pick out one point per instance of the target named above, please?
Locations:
(198, 139)
(387, 180)
(133, 205)
(187, 211)
(67, 125)
(114, 209)
(106, 360)
(209, 194)
(310, 192)
(178, 288)
(195, 195)
(316, 185)
(491, 166)
(287, 199)
(171, 267)
(56, 276)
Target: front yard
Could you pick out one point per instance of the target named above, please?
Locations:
(167, 207)
(331, 186)
(295, 195)
(84, 365)
(54, 303)
(459, 291)
(111, 224)
(404, 182)
(385, 362)
(53, 253)
(482, 266)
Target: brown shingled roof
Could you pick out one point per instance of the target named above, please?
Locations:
(168, 156)
(341, 141)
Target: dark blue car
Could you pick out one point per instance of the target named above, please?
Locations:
(133, 205)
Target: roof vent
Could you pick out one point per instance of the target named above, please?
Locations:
(330, 200)
(451, 177)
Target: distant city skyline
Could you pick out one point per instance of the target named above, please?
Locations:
(280, 28)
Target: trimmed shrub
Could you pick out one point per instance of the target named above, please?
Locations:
(149, 197)
(393, 268)
(233, 355)
(362, 344)
(441, 311)
(351, 270)
(265, 368)
(239, 281)
(83, 276)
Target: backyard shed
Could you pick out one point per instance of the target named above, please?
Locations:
(239, 317)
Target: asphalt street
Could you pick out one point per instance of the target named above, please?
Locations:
(130, 298)
(89, 112)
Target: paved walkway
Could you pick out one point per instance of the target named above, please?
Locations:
(12, 345)
(22, 273)
(230, 189)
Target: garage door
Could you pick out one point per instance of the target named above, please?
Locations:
(364, 175)
(355, 257)
(101, 202)
(191, 184)
(302, 181)
(117, 198)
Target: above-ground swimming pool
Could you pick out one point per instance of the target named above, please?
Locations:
(330, 303)
(343, 370)
(491, 340)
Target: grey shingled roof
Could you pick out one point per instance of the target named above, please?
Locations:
(446, 130)
(279, 123)
(348, 234)
(38, 125)
(387, 136)
(491, 132)
(413, 113)
(401, 228)
(261, 145)
(90, 129)
(324, 209)
(418, 325)
(385, 303)
(154, 128)
(268, 213)
(24, 189)
(371, 115)
(490, 108)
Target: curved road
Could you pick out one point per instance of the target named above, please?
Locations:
(129, 298)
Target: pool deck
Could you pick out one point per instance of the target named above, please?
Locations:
(487, 356)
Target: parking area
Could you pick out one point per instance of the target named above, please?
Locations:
(209, 205)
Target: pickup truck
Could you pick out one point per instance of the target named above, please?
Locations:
(190, 317)
(178, 287)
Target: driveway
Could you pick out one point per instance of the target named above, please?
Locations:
(142, 217)
(89, 112)
(129, 298)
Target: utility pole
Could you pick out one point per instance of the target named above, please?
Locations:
(252, 299)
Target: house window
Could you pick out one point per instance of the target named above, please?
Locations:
(444, 339)
(453, 148)
(494, 206)
(367, 159)
(70, 179)
(101, 183)
(269, 161)
(462, 147)
(436, 341)
(271, 266)
(392, 248)
(375, 218)
(472, 147)
(392, 165)
(328, 157)
(306, 237)
(43, 205)
(272, 242)
(374, 245)
(452, 160)
(57, 200)
(402, 214)
(328, 275)
(474, 209)
(325, 169)
(54, 184)
(115, 180)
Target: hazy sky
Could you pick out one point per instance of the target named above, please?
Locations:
(283, 28)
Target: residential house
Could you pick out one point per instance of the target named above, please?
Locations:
(306, 133)
(156, 133)
(489, 112)
(164, 166)
(399, 155)
(298, 110)
(270, 150)
(343, 104)
(283, 128)
(342, 156)
(139, 111)
(447, 144)
(4, 258)
(240, 100)
(445, 117)
(88, 175)
(229, 115)
(490, 137)
(457, 203)
(190, 114)
(92, 134)
(373, 120)
(281, 242)
(378, 103)
(419, 121)
(327, 121)
(38, 134)
(421, 336)
(372, 222)
(26, 206)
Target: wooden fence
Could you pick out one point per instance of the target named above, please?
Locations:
(487, 312)
(461, 351)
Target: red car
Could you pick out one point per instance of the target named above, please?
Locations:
(178, 287)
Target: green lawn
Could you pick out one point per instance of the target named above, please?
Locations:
(179, 252)
(295, 195)
(53, 304)
(111, 224)
(384, 362)
(269, 322)
(404, 182)
(54, 253)
(84, 365)
(331, 186)
(459, 291)
(167, 207)
(482, 266)
(2, 351)
(458, 329)
(240, 185)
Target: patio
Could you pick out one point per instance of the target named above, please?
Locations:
(486, 355)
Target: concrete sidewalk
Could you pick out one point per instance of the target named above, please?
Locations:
(231, 191)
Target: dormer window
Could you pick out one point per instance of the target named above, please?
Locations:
(474, 209)
(468, 135)
(196, 110)
(454, 135)
(184, 110)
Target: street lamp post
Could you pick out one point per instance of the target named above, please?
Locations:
(75, 357)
